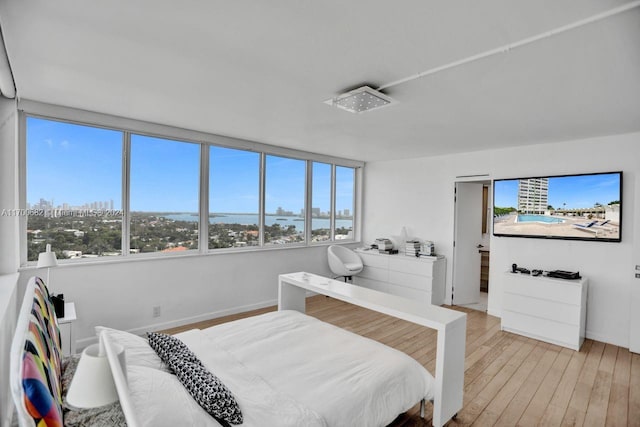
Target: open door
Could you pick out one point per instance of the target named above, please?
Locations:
(467, 237)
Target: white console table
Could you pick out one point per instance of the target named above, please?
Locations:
(450, 324)
(544, 308)
(418, 278)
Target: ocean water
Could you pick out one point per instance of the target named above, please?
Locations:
(250, 219)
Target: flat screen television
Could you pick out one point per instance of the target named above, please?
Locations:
(572, 207)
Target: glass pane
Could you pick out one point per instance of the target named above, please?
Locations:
(164, 195)
(234, 198)
(345, 190)
(74, 190)
(321, 203)
(284, 200)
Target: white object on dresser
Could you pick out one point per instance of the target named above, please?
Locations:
(67, 331)
(450, 324)
(421, 279)
(545, 308)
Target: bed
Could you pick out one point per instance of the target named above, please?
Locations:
(283, 368)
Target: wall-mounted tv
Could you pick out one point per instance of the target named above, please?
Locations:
(573, 207)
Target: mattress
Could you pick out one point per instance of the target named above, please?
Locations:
(325, 374)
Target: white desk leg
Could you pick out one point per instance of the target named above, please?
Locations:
(291, 297)
(450, 365)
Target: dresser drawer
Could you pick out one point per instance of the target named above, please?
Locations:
(542, 329)
(375, 273)
(422, 283)
(374, 260)
(552, 310)
(411, 265)
(539, 287)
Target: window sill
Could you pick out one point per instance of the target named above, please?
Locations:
(30, 266)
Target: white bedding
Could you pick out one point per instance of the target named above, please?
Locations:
(310, 369)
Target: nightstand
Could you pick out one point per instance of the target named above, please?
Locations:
(67, 331)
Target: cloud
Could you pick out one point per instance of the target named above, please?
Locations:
(49, 143)
(64, 144)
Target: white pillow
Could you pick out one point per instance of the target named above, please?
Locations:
(160, 400)
(138, 352)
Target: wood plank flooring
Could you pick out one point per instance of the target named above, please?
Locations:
(510, 380)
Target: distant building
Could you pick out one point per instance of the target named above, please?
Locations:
(533, 195)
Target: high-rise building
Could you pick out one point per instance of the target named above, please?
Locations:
(533, 195)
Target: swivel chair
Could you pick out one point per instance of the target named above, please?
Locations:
(344, 262)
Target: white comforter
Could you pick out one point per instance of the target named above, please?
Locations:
(324, 374)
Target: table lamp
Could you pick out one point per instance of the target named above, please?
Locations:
(47, 259)
(92, 384)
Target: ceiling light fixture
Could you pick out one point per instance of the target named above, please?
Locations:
(360, 100)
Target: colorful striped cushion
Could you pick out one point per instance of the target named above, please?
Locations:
(41, 364)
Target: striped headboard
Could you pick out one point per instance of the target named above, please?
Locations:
(35, 360)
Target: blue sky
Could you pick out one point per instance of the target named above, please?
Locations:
(582, 191)
(79, 164)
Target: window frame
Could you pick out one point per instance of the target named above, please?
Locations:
(27, 108)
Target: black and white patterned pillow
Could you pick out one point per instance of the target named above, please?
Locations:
(207, 390)
(167, 347)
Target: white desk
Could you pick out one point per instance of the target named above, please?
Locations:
(450, 324)
(67, 331)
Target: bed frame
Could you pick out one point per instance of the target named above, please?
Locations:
(450, 324)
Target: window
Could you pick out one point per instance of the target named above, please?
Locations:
(164, 195)
(285, 183)
(234, 198)
(321, 202)
(94, 191)
(74, 189)
(345, 196)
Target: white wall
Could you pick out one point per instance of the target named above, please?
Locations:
(420, 196)
(8, 248)
(9, 255)
(188, 289)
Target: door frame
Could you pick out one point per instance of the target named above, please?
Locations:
(476, 179)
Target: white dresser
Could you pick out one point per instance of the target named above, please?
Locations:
(420, 279)
(547, 309)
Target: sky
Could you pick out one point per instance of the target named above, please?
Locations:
(578, 191)
(77, 164)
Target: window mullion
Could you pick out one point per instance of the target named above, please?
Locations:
(263, 160)
(332, 216)
(308, 202)
(126, 176)
(203, 226)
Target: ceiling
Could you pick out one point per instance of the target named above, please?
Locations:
(260, 70)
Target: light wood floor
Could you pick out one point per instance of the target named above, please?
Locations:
(509, 379)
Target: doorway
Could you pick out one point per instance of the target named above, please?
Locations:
(471, 244)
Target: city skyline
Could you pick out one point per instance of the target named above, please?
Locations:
(66, 162)
(44, 205)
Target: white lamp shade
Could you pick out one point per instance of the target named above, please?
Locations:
(92, 384)
(47, 259)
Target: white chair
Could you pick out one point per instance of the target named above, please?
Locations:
(344, 262)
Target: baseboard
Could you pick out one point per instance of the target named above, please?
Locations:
(81, 344)
(605, 339)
